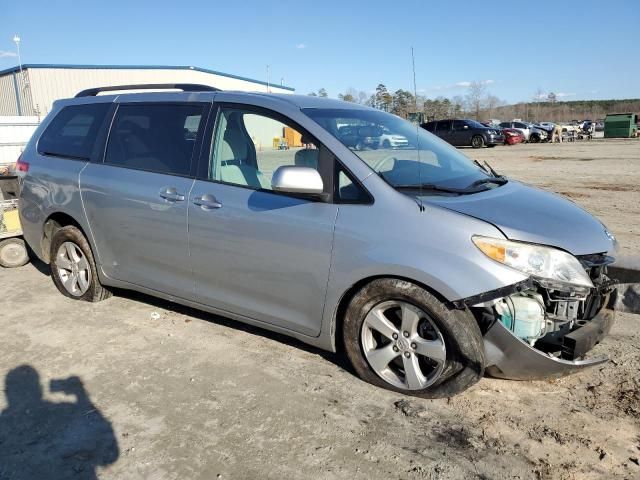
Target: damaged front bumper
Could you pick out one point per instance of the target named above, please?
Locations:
(509, 357)
(535, 332)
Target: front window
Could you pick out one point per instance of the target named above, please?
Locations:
(420, 160)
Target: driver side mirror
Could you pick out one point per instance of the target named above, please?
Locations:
(300, 180)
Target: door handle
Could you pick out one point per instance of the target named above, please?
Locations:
(207, 202)
(170, 194)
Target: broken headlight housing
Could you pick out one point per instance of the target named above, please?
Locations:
(551, 267)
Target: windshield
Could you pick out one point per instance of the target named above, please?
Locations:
(410, 158)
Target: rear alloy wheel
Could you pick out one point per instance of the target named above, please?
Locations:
(535, 138)
(73, 268)
(13, 253)
(477, 141)
(400, 337)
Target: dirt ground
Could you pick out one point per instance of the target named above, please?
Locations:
(166, 392)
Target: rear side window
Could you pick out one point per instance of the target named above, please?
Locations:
(72, 133)
(154, 137)
(444, 126)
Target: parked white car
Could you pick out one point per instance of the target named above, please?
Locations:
(530, 132)
(390, 140)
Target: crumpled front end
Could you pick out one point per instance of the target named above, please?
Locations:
(533, 331)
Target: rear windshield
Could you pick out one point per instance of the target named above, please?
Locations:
(72, 133)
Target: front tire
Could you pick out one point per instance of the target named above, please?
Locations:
(73, 268)
(477, 142)
(400, 337)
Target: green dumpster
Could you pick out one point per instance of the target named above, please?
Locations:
(620, 125)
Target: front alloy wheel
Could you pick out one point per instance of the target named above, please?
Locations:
(402, 345)
(401, 337)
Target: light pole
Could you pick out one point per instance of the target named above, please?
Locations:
(16, 40)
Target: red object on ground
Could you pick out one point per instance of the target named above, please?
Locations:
(512, 136)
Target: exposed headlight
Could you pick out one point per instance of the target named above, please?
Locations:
(491, 132)
(550, 266)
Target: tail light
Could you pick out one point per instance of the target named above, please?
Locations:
(21, 165)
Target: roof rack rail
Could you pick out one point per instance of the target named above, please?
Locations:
(185, 87)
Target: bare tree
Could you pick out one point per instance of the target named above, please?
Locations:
(491, 103)
(537, 96)
(475, 98)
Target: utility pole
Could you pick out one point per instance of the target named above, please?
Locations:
(20, 86)
(268, 78)
(16, 40)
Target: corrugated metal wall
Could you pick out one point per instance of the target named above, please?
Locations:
(9, 85)
(49, 84)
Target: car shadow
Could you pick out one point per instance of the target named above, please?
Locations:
(39, 265)
(44, 439)
(339, 358)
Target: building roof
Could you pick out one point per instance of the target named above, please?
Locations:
(138, 67)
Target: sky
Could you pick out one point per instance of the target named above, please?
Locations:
(579, 50)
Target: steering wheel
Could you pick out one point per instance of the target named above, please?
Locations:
(378, 166)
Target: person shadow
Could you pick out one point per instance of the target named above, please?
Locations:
(41, 439)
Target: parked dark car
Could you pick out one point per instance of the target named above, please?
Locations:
(464, 133)
(360, 137)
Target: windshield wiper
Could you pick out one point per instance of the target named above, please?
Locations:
(493, 172)
(498, 180)
(481, 166)
(430, 187)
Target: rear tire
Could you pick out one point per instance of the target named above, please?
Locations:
(535, 138)
(477, 141)
(444, 347)
(73, 268)
(13, 252)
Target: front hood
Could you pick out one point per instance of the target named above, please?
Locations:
(532, 215)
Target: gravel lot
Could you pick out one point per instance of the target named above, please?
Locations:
(166, 392)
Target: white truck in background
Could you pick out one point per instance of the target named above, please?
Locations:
(15, 132)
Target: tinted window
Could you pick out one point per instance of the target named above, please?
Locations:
(444, 126)
(459, 124)
(248, 147)
(72, 133)
(519, 125)
(505, 125)
(159, 137)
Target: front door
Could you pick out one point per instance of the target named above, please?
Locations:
(255, 252)
(137, 200)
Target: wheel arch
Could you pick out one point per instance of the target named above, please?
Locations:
(347, 296)
(53, 222)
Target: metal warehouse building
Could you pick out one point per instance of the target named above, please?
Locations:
(30, 90)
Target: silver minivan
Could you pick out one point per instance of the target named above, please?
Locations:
(287, 212)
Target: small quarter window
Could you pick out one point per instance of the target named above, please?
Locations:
(72, 133)
(347, 189)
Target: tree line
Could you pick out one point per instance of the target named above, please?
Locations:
(478, 103)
